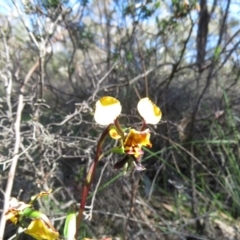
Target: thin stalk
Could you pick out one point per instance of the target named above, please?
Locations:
(119, 129)
(89, 178)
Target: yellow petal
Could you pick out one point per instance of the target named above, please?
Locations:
(15, 209)
(107, 110)
(12, 215)
(149, 111)
(114, 134)
(40, 230)
(41, 194)
(137, 138)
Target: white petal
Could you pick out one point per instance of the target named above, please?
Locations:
(107, 110)
(149, 111)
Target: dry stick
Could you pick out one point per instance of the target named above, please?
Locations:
(89, 216)
(144, 69)
(15, 158)
(135, 79)
(8, 79)
(42, 52)
(134, 189)
(101, 80)
(137, 93)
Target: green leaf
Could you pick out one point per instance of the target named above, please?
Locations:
(217, 53)
(157, 4)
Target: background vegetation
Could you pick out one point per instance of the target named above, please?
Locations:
(59, 56)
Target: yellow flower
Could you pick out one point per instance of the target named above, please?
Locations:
(40, 226)
(39, 230)
(15, 210)
(107, 110)
(12, 215)
(135, 140)
(149, 111)
(114, 134)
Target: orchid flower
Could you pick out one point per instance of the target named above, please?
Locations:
(107, 112)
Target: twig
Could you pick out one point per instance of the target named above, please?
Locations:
(10, 160)
(89, 216)
(8, 79)
(102, 79)
(15, 158)
(153, 182)
(132, 81)
(144, 68)
(134, 185)
(194, 200)
(67, 118)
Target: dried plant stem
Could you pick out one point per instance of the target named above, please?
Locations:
(96, 190)
(134, 184)
(144, 68)
(15, 158)
(8, 78)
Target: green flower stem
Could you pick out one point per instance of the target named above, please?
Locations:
(70, 224)
(89, 178)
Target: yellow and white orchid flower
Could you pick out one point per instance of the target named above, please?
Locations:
(149, 111)
(107, 110)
